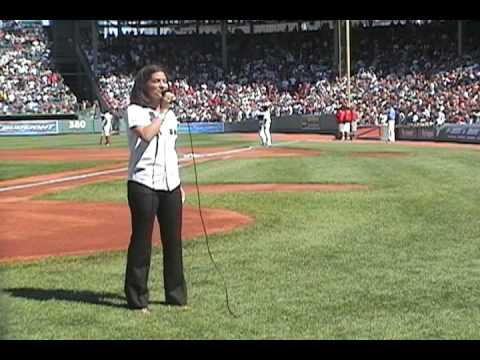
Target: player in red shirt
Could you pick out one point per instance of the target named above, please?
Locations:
(351, 117)
(347, 123)
(341, 122)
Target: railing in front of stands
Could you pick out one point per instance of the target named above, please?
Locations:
(23, 117)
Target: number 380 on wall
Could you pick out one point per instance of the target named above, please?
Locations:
(77, 124)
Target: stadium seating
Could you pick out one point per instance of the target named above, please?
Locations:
(28, 80)
(415, 68)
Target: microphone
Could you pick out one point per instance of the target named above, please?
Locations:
(170, 97)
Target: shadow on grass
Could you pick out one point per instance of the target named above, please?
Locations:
(80, 296)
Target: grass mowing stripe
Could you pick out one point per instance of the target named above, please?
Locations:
(20, 169)
(63, 179)
(75, 141)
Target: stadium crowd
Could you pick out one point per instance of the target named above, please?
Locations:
(28, 80)
(415, 69)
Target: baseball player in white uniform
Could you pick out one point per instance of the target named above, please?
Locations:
(391, 124)
(265, 122)
(106, 128)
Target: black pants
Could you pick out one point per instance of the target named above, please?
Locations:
(145, 204)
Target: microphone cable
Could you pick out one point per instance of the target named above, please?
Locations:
(204, 227)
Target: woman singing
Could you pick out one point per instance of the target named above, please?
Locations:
(154, 189)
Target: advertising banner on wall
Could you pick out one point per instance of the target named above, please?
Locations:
(201, 127)
(40, 127)
(461, 133)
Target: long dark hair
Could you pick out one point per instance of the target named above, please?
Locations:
(139, 95)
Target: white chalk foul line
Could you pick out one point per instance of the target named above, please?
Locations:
(107, 172)
(198, 156)
(285, 143)
(68, 178)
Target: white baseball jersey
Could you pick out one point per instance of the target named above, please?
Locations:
(153, 164)
(107, 123)
(267, 119)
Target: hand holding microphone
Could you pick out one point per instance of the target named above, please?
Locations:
(167, 100)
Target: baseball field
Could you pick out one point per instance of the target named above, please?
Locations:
(315, 239)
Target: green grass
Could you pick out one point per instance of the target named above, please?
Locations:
(72, 141)
(16, 169)
(397, 261)
(75, 141)
(20, 169)
(217, 140)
